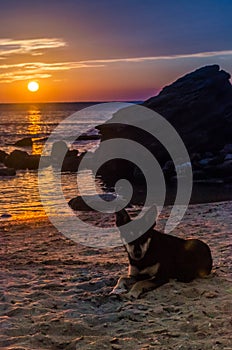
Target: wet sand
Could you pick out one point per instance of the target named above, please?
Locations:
(55, 293)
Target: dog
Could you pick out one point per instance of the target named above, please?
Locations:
(155, 257)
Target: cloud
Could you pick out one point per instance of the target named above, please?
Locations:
(42, 70)
(37, 70)
(167, 57)
(28, 46)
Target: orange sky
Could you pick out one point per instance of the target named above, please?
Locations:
(90, 51)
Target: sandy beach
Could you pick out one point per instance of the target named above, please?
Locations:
(55, 293)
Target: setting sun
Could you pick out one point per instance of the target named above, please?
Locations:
(33, 86)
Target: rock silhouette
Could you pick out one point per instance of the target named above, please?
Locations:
(25, 142)
(199, 107)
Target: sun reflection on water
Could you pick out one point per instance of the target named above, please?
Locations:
(34, 128)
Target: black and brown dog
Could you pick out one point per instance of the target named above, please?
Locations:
(155, 257)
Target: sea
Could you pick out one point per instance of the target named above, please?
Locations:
(19, 195)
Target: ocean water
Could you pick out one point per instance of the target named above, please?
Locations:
(19, 195)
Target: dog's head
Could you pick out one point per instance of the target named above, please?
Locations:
(135, 240)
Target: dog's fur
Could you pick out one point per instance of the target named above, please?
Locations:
(156, 257)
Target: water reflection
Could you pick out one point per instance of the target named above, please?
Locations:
(34, 128)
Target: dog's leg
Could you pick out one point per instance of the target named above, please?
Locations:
(125, 282)
(144, 286)
(122, 285)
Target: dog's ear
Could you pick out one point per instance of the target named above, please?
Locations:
(151, 215)
(122, 217)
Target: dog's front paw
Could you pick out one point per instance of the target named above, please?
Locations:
(131, 295)
(118, 291)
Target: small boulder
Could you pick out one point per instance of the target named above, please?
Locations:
(17, 160)
(169, 169)
(45, 161)
(88, 137)
(78, 202)
(70, 163)
(205, 161)
(72, 153)
(225, 168)
(211, 161)
(221, 170)
(3, 156)
(7, 172)
(25, 142)
(22, 160)
(6, 216)
(32, 161)
(228, 148)
(59, 150)
(199, 175)
(228, 156)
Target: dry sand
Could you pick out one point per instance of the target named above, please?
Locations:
(55, 293)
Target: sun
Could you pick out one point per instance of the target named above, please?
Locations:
(33, 86)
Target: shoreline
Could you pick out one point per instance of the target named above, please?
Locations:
(201, 194)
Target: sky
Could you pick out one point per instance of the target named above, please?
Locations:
(107, 50)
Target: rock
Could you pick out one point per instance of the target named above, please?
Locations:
(17, 160)
(88, 137)
(59, 149)
(217, 160)
(220, 170)
(7, 172)
(71, 160)
(169, 169)
(210, 181)
(228, 156)
(41, 140)
(6, 216)
(195, 157)
(72, 153)
(45, 161)
(205, 161)
(208, 155)
(225, 169)
(22, 160)
(70, 163)
(25, 142)
(78, 203)
(32, 161)
(199, 175)
(228, 148)
(228, 180)
(210, 161)
(3, 155)
(198, 106)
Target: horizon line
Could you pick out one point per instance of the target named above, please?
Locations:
(99, 101)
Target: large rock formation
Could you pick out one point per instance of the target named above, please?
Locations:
(199, 106)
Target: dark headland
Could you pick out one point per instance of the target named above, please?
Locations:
(199, 106)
